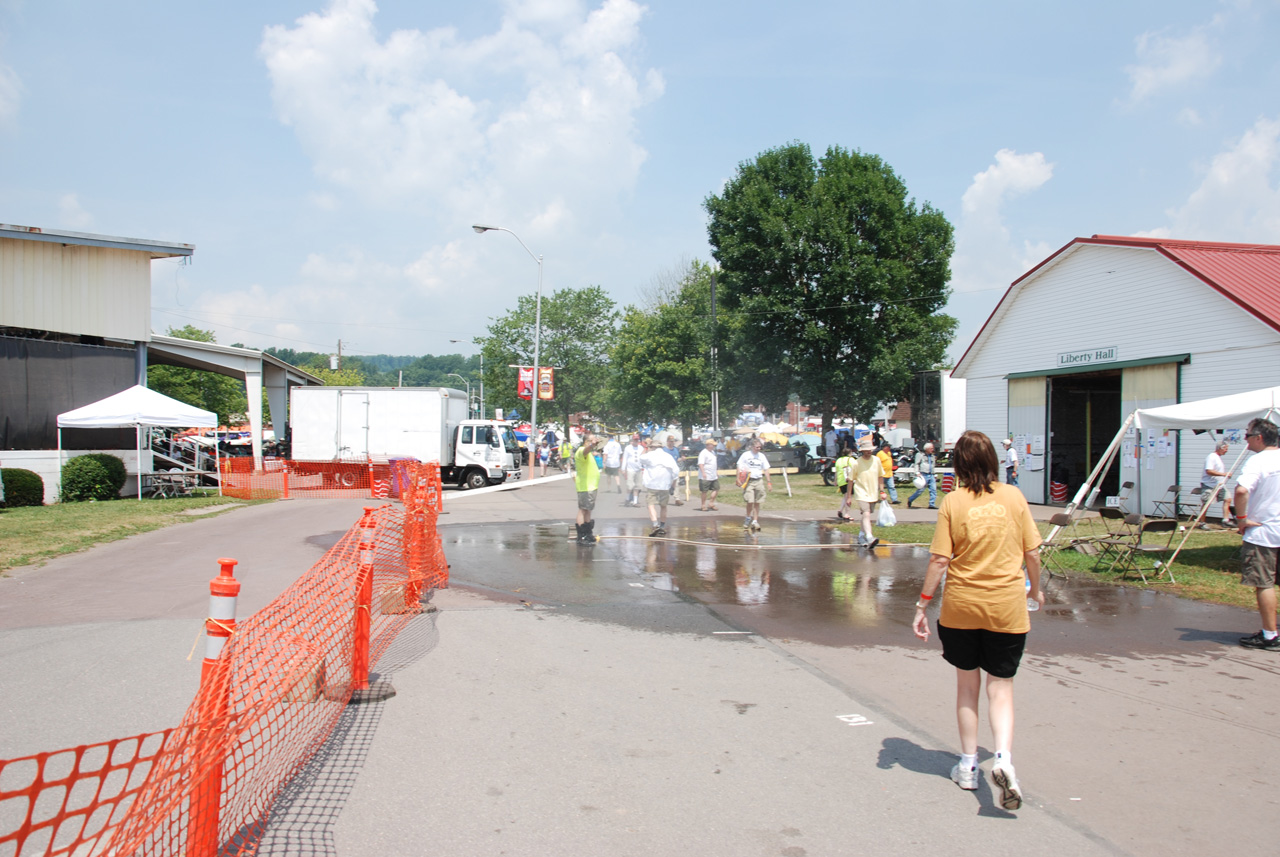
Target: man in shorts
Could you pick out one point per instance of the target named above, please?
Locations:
(753, 475)
(1258, 520)
(709, 475)
(613, 464)
(660, 473)
(586, 478)
(866, 484)
(1214, 471)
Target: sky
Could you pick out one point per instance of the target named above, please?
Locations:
(328, 158)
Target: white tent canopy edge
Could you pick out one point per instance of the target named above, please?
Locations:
(134, 408)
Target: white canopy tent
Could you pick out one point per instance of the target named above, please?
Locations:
(136, 407)
(1222, 412)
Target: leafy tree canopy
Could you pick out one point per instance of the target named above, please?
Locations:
(578, 326)
(837, 275)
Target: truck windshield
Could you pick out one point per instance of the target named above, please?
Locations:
(509, 441)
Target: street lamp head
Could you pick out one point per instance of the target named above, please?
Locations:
(482, 229)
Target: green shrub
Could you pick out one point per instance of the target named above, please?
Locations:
(87, 478)
(22, 487)
(114, 466)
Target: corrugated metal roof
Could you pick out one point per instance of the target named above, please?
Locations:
(1246, 274)
(156, 249)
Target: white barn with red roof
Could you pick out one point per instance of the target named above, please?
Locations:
(1108, 324)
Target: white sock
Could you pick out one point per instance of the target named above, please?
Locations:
(1004, 759)
(968, 761)
(1269, 635)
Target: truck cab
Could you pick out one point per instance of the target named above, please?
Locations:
(484, 452)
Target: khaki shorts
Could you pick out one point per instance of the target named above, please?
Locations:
(587, 500)
(865, 507)
(708, 485)
(658, 496)
(635, 479)
(1259, 566)
(753, 491)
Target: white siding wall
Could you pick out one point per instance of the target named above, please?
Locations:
(95, 291)
(1144, 305)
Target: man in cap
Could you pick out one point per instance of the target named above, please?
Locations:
(866, 484)
(631, 475)
(753, 475)
(659, 473)
(1010, 462)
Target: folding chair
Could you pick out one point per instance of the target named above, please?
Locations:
(1067, 538)
(1169, 503)
(1122, 498)
(1122, 535)
(1129, 557)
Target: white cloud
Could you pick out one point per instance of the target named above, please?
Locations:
(1239, 196)
(71, 215)
(1189, 117)
(539, 113)
(1169, 62)
(986, 256)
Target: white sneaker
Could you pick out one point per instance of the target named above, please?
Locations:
(1010, 794)
(965, 778)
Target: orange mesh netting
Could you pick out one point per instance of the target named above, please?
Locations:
(265, 706)
(281, 478)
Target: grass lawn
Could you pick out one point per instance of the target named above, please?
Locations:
(1208, 569)
(32, 535)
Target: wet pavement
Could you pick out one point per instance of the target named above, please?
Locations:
(801, 581)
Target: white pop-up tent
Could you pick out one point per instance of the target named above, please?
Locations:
(1222, 412)
(134, 408)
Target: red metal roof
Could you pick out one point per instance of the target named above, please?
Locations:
(1246, 274)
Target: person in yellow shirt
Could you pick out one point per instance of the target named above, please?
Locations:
(866, 487)
(984, 536)
(842, 467)
(886, 464)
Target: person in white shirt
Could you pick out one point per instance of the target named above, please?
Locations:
(631, 476)
(832, 439)
(753, 475)
(1214, 471)
(612, 453)
(709, 475)
(1258, 520)
(659, 473)
(1010, 462)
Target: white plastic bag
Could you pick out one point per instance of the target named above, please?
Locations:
(887, 518)
(919, 481)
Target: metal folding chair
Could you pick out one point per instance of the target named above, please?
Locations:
(1167, 507)
(1122, 498)
(1067, 538)
(1123, 532)
(1130, 556)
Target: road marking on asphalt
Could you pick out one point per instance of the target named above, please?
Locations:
(854, 719)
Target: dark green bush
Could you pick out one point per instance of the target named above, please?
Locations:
(22, 487)
(87, 478)
(114, 466)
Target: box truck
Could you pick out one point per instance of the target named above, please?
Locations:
(338, 431)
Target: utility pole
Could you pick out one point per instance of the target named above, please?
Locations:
(715, 374)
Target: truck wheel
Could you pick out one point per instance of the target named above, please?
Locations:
(476, 479)
(346, 478)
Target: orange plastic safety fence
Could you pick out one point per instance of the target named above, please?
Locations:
(266, 705)
(280, 478)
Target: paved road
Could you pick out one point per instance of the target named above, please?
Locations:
(709, 696)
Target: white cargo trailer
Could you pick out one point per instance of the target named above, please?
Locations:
(354, 426)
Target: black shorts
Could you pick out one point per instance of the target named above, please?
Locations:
(996, 653)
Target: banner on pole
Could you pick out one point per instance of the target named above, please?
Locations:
(524, 382)
(546, 384)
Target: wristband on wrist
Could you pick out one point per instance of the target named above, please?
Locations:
(924, 597)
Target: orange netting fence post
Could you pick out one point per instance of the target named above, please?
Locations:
(364, 603)
(206, 796)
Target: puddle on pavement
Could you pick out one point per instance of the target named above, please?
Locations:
(805, 581)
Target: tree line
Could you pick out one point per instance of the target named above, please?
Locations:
(828, 284)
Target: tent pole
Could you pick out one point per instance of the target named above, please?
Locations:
(58, 498)
(137, 439)
(1204, 510)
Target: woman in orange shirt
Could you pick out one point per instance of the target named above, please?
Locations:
(985, 534)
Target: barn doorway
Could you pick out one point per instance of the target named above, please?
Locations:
(1084, 414)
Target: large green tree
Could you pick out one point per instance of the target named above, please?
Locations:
(223, 395)
(661, 356)
(838, 276)
(578, 326)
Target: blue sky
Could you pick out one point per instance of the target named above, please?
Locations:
(328, 157)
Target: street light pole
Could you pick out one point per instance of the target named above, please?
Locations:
(473, 342)
(537, 332)
(468, 383)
